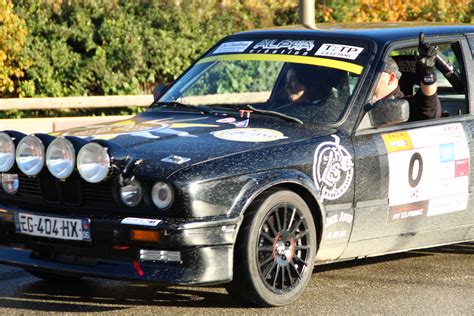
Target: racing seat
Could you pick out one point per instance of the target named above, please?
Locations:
(407, 66)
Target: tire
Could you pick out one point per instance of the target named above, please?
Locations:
(54, 277)
(277, 234)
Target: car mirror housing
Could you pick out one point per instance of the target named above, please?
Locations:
(389, 111)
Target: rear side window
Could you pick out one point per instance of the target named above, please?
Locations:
(453, 99)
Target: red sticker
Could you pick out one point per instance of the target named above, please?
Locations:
(461, 168)
(407, 211)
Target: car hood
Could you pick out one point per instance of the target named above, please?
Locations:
(167, 141)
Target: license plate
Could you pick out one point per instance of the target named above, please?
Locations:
(53, 227)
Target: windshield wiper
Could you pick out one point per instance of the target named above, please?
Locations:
(273, 113)
(176, 104)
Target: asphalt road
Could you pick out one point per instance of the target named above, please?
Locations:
(432, 281)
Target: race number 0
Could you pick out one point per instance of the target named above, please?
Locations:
(412, 179)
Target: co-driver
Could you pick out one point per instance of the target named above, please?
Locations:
(424, 104)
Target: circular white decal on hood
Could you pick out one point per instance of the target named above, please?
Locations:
(249, 135)
(333, 169)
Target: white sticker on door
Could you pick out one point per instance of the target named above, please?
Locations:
(333, 169)
(429, 171)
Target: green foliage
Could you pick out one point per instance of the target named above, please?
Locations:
(114, 47)
(12, 60)
(118, 47)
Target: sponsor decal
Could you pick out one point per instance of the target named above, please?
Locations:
(140, 221)
(227, 120)
(446, 152)
(231, 120)
(242, 124)
(342, 217)
(336, 234)
(461, 168)
(291, 47)
(397, 141)
(333, 169)
(292, 51)
(147, 129)
(407, 211)
(257, 135)
(273, 44)
(232, 47)
(339, 51)
(428, 172)
(283, 46)
(176, 159)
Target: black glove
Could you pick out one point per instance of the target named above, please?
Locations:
(426, 60)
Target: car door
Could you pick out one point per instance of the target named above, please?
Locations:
(413, 180)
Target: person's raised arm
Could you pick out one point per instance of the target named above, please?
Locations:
(426, 60)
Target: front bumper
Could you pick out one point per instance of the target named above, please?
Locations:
(205, 246)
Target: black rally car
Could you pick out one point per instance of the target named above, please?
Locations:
(231, 177)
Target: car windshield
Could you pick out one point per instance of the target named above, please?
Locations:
(306, 79)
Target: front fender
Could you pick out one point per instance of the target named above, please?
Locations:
(261, 182)
(231, 196)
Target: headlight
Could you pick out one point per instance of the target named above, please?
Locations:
(131, 194)
(7, 152)
(30, 155)
(61, 158)
(162, 195)
(93, 162)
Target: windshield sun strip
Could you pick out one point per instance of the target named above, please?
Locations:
(316, 61)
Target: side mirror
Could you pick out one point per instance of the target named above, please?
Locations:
(389, 111)
(159, 90)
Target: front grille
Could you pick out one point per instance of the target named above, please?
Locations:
(45, 193)
(29, 187)
(70, 194)
(49, 189)
(67, 192)
(98, 194)
(71, 191)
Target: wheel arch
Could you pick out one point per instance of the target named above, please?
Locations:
(294, 181)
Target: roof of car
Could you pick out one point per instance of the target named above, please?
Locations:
(379, 32)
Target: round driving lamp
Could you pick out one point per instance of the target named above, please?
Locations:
(162, 195)
(93, 162)
(30, 155)
(60, 158)
(131, 194)
(7, 152)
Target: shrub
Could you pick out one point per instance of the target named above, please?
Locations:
(120, 47)
(12, 39)
(113, 47)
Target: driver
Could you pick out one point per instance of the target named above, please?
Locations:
(425, 103)
(297, 85)
(303, 85)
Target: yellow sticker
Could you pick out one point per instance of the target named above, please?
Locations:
(316, 61)
(397, 141)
